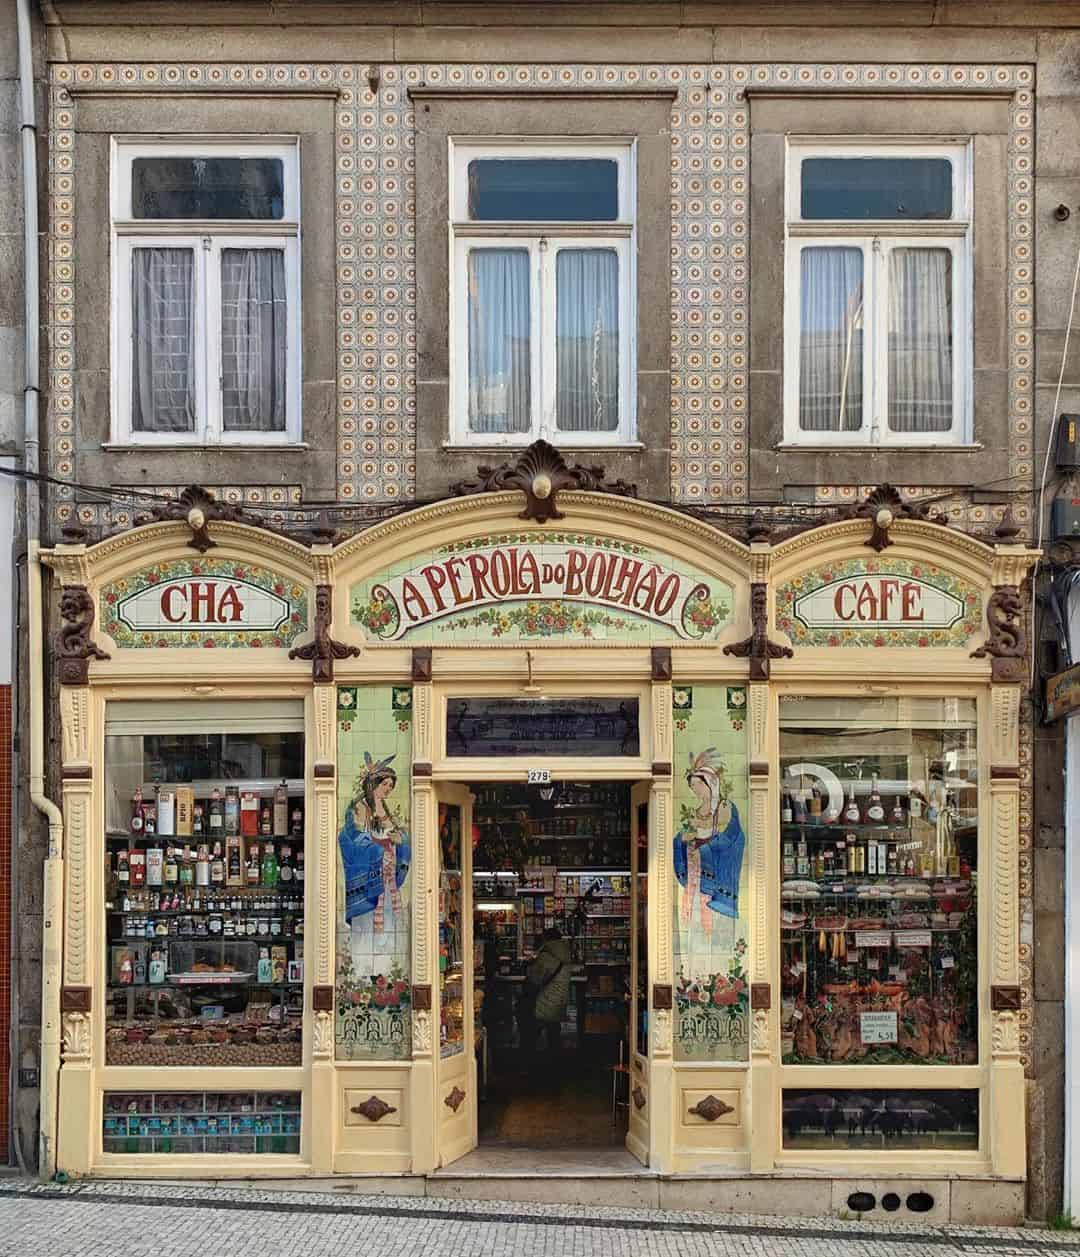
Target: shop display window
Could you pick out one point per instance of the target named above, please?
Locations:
(205, 827)
(879, 870)
(710, 851)
(374, 885)
(944, 1120)
(201, 1122)
(501, 727)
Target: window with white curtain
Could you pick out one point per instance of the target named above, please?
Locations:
(877, 301)
(542, 293)
(205, 292)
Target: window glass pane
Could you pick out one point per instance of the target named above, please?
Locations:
(253, 339)
(499, 340)
(587, 340)
(831, 340)
(879, 866)
(204, 905)
(201, 1122)
(878, 1119)
(876, 187)
(920, 340)
(162, 330)
(207, 187)
(551, 189)
(451, 935)
(539, 726)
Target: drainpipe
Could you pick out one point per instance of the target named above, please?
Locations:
(52, 903)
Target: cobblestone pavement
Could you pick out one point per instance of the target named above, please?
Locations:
(114, 1219)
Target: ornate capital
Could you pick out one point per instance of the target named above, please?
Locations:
(757, 647)
(76, 1037)
(322, 650)
(322, 1036)
(540, 473)
(73, 647)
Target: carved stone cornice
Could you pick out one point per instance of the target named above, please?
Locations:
(322, 650)
(198, 508)
(540, 472)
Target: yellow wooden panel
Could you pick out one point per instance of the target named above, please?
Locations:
(356, 1100)
(698, 1108)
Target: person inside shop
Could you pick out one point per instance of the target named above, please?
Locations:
(543, 1002)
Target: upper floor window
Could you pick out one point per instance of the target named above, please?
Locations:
(542, 293)
(206, 292)
(877, 324)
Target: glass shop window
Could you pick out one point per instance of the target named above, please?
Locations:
(876, 1119)
(206, 291)
(205, 834)
(879, 829)
(178, 1122)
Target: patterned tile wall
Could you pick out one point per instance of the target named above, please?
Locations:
(376, 335)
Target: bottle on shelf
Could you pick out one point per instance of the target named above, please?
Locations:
(216, 813)
(202, 865)
(198, 821)
(217, 866)
(891, 861)
(166, 811)
(232, 810)
(786, 812)
(234, 861)
(296, 826)
(851, 814)
(299, 878)
(136, 822)
(155, 862)
(266, 820)
(137, 866)
(788, 859)
(249, 814)
(285, 865)
(898, 816)
(798, 808)
(802, 859)
(253, 870)
(187, 867)
(874, 813)
(123, 870)
(170, 872)
(157, 967)
(281, 810)
(814, 806)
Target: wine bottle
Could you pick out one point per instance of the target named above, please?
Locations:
(269, 866)
(249, 814)
(786, 812)
(170, 871)
(851, 814)
(285, 867)
(217, 813)
(814, 810)
(202, 866)
(217, 866)
(875, 809)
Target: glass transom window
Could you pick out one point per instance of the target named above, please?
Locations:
(542, 293)
(877, 324)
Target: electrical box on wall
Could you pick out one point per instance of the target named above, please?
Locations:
(1064, 518)
(1067, 451)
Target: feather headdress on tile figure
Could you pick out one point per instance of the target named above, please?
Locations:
(375, 865)
(710, 868)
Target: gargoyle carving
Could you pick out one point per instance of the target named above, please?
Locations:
(540, 473)
(322, 650)
(757, 647)
(1006, 645)
(74, 649)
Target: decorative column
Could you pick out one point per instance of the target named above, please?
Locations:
(322, 916)
(763, 1017)
(73, 651)
(424, 874)
(662, 1083)
(1007, 648)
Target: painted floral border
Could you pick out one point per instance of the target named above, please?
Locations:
(930, 573)
(132, 639)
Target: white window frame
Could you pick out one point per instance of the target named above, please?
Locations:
(206, 238)
(542, 240)
(876, 238)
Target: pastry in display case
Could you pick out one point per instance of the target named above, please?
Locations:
(204, 899)
(879, 871)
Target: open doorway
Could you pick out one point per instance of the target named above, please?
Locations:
(558, 960)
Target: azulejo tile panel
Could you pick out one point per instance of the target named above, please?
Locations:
(376, 298)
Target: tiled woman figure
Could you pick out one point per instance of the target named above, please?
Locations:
(375, 855)
(709, 855)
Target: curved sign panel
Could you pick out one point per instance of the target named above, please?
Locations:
(536, 585)
(204, 602)
(878, 602)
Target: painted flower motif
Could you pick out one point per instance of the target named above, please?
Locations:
(736, 698)
(346, 698)
(680, 698)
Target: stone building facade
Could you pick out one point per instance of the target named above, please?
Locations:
(711, 95)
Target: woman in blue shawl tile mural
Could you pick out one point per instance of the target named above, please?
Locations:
(709, 847)
(375, 856)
